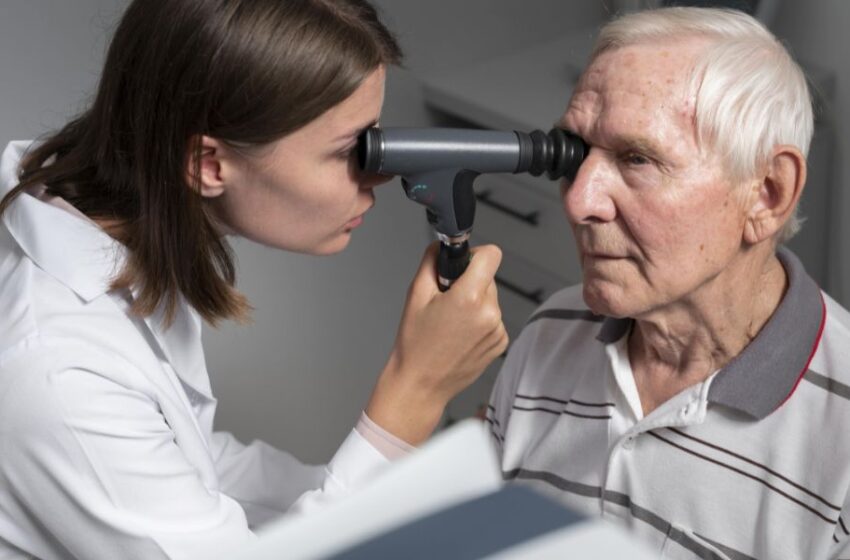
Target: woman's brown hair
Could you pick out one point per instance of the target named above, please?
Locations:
(246, 72)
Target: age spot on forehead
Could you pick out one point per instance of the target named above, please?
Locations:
(630, 59)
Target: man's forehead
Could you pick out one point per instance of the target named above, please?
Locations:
(661, 71)
(635, 86)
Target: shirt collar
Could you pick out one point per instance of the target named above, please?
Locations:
(80, 255)
(765, 374)
(70, 248)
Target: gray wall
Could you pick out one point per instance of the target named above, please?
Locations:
(817, 32)
(51, 52)
(323, 327)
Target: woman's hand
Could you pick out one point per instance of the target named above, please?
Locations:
(444, 342)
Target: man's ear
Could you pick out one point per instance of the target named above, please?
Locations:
(777, 194)
(204, 166)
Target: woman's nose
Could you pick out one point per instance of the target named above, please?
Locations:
(372, 180)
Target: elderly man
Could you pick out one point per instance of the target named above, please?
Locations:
(696, 386)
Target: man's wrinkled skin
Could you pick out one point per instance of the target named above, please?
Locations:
(663, 234)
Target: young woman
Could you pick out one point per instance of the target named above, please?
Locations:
(212, 117)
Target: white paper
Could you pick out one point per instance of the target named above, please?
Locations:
(457, 465)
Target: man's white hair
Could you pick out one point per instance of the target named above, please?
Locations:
(750, 94)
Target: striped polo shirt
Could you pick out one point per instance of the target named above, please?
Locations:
(753, 462)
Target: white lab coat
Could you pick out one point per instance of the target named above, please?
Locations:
(106, 443)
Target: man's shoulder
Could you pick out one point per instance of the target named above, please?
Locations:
(837, 317)
(563, 320)
(569, 297)
(833, 355)
(555, 349)
(564, 310)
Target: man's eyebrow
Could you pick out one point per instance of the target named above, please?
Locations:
(351, 135)
(639, 144)
(623, 142)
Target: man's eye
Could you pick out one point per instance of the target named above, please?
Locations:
(633, 158)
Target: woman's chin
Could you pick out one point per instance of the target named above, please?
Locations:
(330, 247)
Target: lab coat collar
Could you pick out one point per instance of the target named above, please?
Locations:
(766, 373)
(72, 249)
(80, 255)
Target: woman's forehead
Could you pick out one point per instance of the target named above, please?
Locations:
(362, 106)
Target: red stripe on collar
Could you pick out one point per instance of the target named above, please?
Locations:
(811, 354)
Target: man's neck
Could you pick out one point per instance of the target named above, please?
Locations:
(682, 344)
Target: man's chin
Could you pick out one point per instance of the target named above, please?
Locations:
(608, 301)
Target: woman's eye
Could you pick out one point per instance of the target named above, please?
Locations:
(346, 154)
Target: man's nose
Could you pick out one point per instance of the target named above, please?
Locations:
(588, 199)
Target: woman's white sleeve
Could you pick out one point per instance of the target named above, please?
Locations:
(89, 468)
(268, 481)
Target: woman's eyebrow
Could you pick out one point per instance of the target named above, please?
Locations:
(356, 132)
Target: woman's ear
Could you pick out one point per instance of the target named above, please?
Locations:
(204, 166)
(778, 193)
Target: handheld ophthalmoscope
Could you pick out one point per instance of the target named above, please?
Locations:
(438, 167)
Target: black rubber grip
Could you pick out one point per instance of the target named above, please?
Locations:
(452, 262)
(541, 158)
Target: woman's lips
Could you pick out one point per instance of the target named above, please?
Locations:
(354, 223)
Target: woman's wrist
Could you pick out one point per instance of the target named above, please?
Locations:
(387, 444)
(404, 408)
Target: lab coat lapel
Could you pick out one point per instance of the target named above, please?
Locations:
(181, 345)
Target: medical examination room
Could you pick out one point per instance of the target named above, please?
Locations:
(368, 279)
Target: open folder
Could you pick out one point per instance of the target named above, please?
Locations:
(445, 501)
